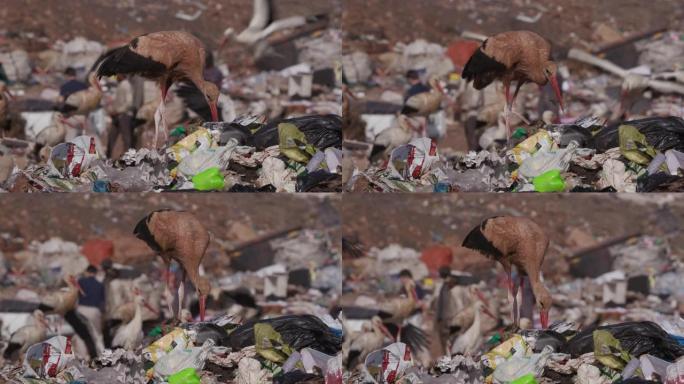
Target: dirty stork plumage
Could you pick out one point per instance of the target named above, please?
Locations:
(165, 57)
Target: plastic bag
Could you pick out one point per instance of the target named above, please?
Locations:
(210, 179)
(185, 376)
(662, 133)
(389, 364)
(200, 139)
(293, 143)
(518, 366)
(608, 351)
(637, 338)
(633, 145)
(541, 140)
(321, 131)
(550, 181)
(70, 159)
(181, 359)
(269, 344)
(176, 339)
(414, 159)
(48, 358)
(544, 161)
(201, 160)
(515, 346)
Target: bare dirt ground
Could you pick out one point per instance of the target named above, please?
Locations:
(564, 22)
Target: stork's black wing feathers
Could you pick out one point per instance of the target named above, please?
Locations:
(125, 61)
(477, 241)
(414, 337)
(81, 328)
(482, 69)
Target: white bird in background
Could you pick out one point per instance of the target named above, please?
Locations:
(470, 341)
(130, 335)
(367, 342)
(28, 335)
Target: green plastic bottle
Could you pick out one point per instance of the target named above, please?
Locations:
(550, 181)
(210, 179)
(185, 376)
(527, 379)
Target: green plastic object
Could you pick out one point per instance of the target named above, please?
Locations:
(156, 331)
(519, 133)
(185, 376)
(550, 181)
(210, 179)
(178, 131)
(527, 379)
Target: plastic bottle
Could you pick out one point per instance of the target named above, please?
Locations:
(208, 180)
(550, 181)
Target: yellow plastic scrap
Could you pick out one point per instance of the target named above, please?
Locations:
(178, 338)
(532, 144)
(189, 144)
(608, 351)
(633, 145)
(293, 143)
(269, 343)
(513, 346)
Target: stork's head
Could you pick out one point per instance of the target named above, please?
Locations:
(551, 75)
(211, 92)
(544, 302)
(376, 321)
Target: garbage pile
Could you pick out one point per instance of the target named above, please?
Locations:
(249, 154)
(268, 314)
(55, 143)
(616, 319)
(605, 141)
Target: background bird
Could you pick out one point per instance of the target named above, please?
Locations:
(85, 101)
(515, 242)
(367, 342)
(425, 103)
(520, 56)
(180, 236)
(129, 335)
(165, 57)
(27, 335)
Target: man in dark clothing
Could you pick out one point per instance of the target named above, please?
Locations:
(91, 304)
(71, 85)
(416, 86)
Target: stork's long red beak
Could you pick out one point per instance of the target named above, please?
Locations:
(544, 318)
(556, 89)
(202, 306)
(214, 112)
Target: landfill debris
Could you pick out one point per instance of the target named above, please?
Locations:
(621, 128)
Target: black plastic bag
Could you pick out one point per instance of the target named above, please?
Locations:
(298, 331)
(546, 337)
(321, 131)
(662, 133)
(638, 338)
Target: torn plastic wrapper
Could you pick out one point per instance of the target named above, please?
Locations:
(200, 139)
(518, 366)
(180, 359)
(269, 343)
(541, 140)
(201, 160)
(633, 145)
(389, 364)
(293, 143)
(48, 358)
(515, 346)
(413, 160)
(176, 339)
(70, 159)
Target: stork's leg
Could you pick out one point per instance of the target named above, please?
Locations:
(181, 294)
(159, 118)
(515, 94)
(516, 319)
(167, 291)
(507, 110)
